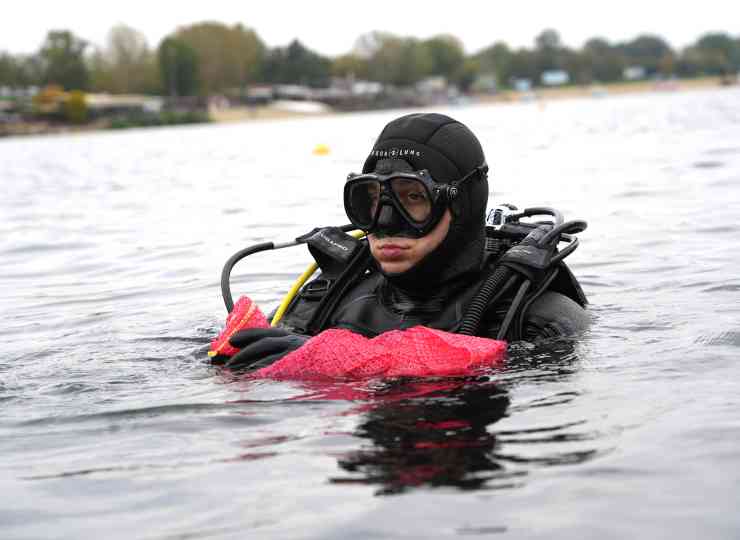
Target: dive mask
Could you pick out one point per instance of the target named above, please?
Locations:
(374, 202)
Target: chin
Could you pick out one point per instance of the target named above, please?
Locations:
(395, 267)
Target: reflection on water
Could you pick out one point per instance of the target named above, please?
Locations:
(438, 439)
(442, 433)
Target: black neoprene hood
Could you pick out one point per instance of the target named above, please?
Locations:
(443, 146)
(449, 151)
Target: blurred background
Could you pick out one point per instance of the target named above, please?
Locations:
(149, 65)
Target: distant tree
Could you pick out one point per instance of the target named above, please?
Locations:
(306, 66)
(601, 61)
(178, 64)
(418, 60)
(126, 47)
(667, 64)
(367, 45)
(724, 44)
(400, 61)
(295, 64)
(523, 65)
(712, 54)
(495, 60)
(229, 57)
(29, 70)
(648, 51)
(548, 39)
(574, 63)
(63, 60)
(446, 55)
(101, 77)
(468, 73)
(126, 64)
(549, 52)
(8, 70)
(350, 65)
(20, 71)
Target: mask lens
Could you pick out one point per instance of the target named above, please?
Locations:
(414, 197)
(363, 201)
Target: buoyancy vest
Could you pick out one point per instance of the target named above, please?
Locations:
(375, 306)
(370, 304)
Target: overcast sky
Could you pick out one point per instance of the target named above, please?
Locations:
(331, 27)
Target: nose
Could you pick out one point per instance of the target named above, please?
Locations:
(387, 218)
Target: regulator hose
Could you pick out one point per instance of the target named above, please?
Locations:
(226, 272)
(513, 309)
(543, 236)
(474, 314)
(539, 210)
(264, 246)
(569, 227)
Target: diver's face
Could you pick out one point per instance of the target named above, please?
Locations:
(396, 254)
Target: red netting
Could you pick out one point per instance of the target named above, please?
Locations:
(245, 314)
(341, 354)
(416, 352)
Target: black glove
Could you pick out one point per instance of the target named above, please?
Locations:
(261, 347)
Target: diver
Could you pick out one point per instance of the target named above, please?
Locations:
(429, 257)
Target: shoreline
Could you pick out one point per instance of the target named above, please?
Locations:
(283, 111)
(606, 90)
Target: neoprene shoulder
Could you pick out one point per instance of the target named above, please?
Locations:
(551, 315)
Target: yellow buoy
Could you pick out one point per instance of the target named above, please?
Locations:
(321, 150)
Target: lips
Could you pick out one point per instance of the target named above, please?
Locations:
(392, 251)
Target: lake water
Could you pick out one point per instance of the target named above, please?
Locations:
(115, 426)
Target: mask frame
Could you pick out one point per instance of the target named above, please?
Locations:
(440, 195)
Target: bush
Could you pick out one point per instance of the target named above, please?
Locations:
(165, 118)
(48, 101)
(75, 108)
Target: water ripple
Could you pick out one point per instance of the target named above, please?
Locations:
(111, 292)
(47, 247)
(728, 287)
(708, 164)
(729, 337)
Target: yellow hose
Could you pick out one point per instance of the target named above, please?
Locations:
(299, 283)
(292, 292)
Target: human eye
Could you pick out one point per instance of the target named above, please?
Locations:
(409, 190)
(417, 196)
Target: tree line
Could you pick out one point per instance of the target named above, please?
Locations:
(213, 58)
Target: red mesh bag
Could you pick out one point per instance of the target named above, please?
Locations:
(416, 352)
(245, 314)
(342, 354)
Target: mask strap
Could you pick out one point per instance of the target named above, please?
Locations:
(453, 187)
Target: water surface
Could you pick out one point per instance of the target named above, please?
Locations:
(115, 425)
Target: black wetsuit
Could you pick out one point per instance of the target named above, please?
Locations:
(375, 305)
